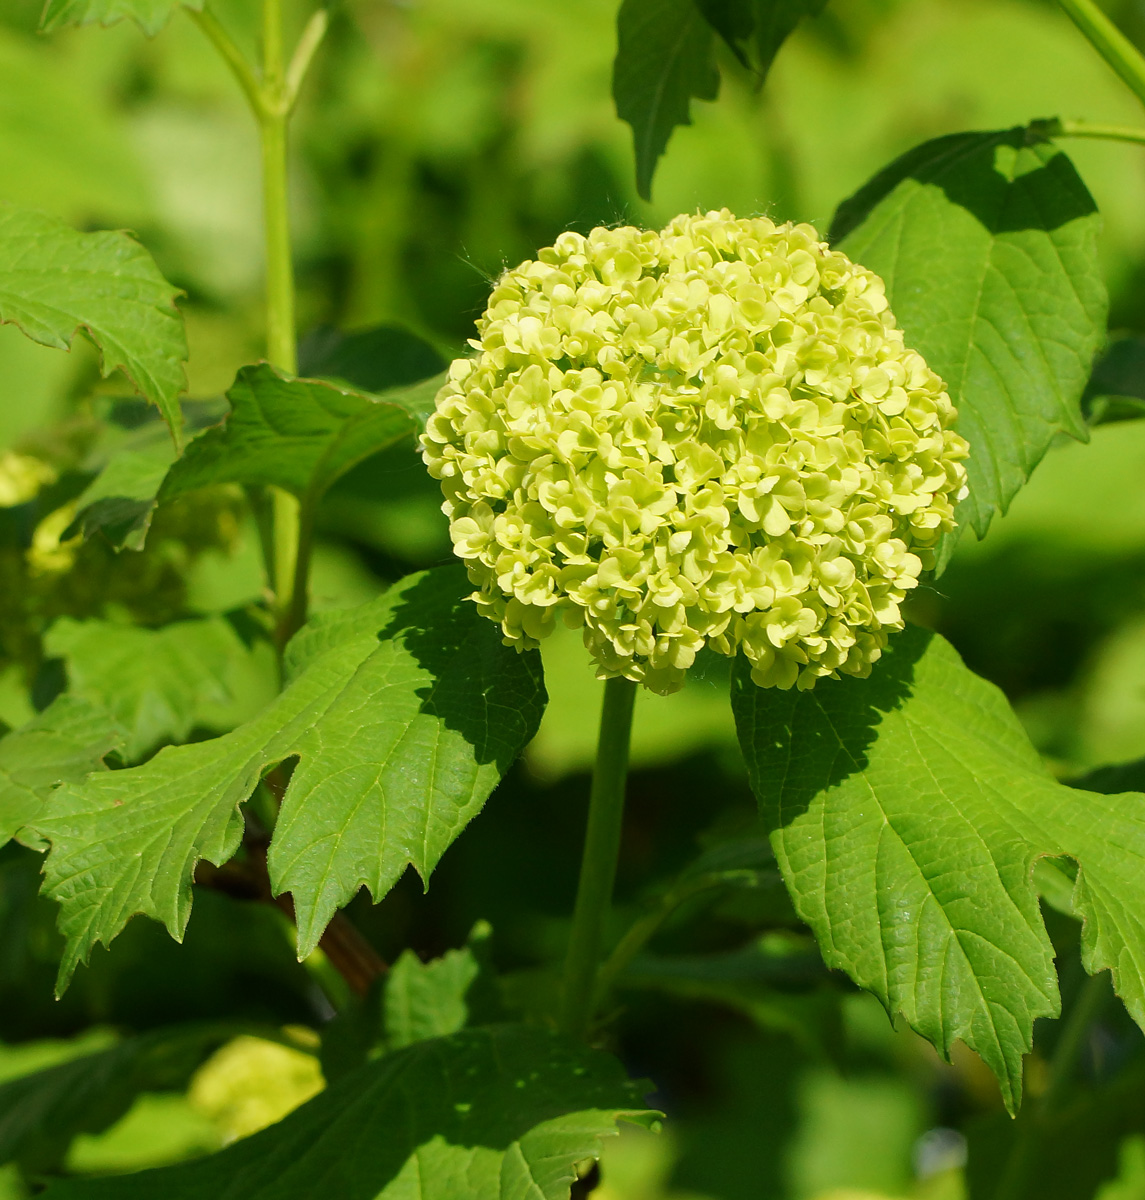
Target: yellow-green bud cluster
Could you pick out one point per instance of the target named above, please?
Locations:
(712, 435)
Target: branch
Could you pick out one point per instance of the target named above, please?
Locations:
(308, 43)
(234, 59)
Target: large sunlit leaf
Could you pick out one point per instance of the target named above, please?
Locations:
(149, 15)
(988, 246)
(55, 282)
(64, 743)
(158, 685)
(663, 62)
(907, 811)
(297, 434)
(403, 714)
(501, 1113)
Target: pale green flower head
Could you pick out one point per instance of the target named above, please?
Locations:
(708, 436)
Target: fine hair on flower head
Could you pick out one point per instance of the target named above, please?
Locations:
(713, 436)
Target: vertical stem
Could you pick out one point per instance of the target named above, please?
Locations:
(1109, 42)
(271, 97)
(273, 58)
(601, 849)
(280, 344)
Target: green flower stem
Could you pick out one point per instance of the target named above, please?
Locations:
(280, 344)
(272, 98)
(601, 849)
(1109, 42)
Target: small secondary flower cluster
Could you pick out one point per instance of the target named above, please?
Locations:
(712, 435)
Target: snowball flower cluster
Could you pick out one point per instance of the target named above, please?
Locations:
(711, 435)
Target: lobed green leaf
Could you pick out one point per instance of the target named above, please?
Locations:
(130, 461)
(415, 1001)
(987, 243)
(157, 685)
(149, 15)
(297, 434)
(663, 61)
(500, 1113)
(756, 29)
(403, 714)
(907, 812)
(120, 501)
(55, 281)
(426, 1000)
(63, 744)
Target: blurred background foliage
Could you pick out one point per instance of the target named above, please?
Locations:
(438, 141)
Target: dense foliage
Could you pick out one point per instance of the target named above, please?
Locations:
(292, 815)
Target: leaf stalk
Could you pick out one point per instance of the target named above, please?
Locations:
(1056, 127)
(601, 851)
(303, 55)
(231, 55)
(642, 930)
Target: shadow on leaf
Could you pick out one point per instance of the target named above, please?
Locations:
(825, 731)
(434, 621)
(1008, 181)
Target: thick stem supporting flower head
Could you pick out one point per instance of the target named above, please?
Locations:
(601, 849)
